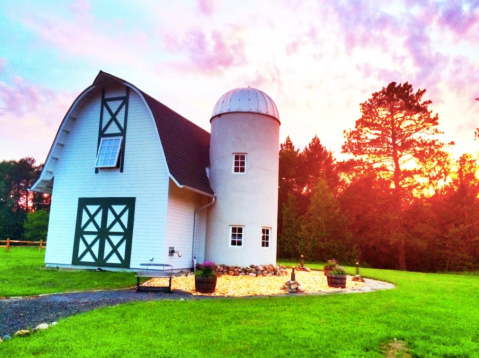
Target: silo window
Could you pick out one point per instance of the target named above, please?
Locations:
(237, 235)
(239, 165)
(265, 237)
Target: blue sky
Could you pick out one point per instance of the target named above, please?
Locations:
(318, 60)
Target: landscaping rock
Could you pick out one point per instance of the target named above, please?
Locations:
(301, 289)
(6, 337)
(41, 327)
(1, 340)
(54, 323)
(252, 274)
(22, 333)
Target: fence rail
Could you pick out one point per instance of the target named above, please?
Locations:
(8, 243)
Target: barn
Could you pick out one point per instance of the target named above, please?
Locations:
(132, 181)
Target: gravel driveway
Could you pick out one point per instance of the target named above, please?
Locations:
(28, 312)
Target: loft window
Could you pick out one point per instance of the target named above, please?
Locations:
(237, 236)
(109, 152)
(265, 237)
(239, 165)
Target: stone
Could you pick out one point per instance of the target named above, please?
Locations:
(242, 274)
(54, 323)
(301, 289)
(260, 268)
(236, 273)
(22, 333)
(41, 327)
(264, 273)
(252, 274)
(269, 274)
(6, 337)
(231, 273)
(1, 340)
(294, 286)
(258, 273)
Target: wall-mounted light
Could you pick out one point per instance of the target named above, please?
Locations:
(172, 252)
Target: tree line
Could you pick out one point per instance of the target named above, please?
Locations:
(23, 214)
(400, 202)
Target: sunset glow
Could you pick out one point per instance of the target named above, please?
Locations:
(318, 60)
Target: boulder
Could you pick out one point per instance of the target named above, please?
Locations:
(301, 289)
(6, 337)
(41, 327)
(22, 333)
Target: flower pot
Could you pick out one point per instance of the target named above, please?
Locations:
(205, 284)
(338, 281)
(326, 271)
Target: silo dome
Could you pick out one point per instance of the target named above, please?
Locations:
(247, 99)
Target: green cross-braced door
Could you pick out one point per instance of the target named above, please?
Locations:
(104, 231)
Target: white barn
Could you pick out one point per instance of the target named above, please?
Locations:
(133, 182)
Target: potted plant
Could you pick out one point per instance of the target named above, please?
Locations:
(330, 265)
(337, 277)
(205, 277)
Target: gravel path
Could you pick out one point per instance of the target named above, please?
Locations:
(28, 312)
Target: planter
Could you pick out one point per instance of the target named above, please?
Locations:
(327, 270)
(338, 281)
(205, 284)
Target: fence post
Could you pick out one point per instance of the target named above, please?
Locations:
(8, 244)
(41, 244)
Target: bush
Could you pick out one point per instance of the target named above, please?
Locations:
(338, 271)
(36, 226)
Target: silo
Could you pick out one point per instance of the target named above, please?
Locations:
(244, 159)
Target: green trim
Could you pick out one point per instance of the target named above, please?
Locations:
(122, 154)
(113, 119)
(103, 232)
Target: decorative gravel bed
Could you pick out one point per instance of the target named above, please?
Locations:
(240, 286)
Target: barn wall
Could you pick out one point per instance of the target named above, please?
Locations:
(182, 204)
(145, 177)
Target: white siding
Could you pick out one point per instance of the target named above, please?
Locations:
(145, 177)
(182, 204)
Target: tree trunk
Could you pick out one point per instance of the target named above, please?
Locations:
(398, 193)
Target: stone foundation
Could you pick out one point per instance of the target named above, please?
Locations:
(252, 270)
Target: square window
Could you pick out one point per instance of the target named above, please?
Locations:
(265, 237)
(236, 236)
(239, 163)
(108, 153)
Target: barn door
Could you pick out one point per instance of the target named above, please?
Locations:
(104, 231)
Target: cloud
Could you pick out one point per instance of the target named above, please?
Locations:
(3, 62)
(29, 118)
(208, 54)
(20, 98)
(206, 7)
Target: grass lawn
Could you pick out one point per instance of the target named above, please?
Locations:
(437, 315)
(23, 272)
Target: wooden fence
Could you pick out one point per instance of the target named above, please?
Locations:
(8, 243)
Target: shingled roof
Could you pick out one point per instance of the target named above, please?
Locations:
(186, 145)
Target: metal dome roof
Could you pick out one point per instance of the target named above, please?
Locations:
(249, 100)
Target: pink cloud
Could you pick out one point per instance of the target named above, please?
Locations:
(459, 16)
(3, 62)
(83, 35)
(211, 54)
(21, 98)
(206, 7)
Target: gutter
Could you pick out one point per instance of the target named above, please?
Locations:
(195, 224)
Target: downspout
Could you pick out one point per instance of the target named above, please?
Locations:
(195, 224)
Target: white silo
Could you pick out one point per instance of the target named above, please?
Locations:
(244, 159)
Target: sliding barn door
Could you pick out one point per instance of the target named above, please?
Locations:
(104, 232)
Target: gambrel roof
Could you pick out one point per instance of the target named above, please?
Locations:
(186, 146)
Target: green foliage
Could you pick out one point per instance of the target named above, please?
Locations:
(36, 226)
(330, 264)
(338, 270)
(23, 273)
(435, 314)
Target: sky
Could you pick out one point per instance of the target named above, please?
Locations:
(318, 60)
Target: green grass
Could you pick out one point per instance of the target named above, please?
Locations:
(23, 273)
(436, 315)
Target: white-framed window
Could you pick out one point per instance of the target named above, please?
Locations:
(265, 235)
(236, 237)
(239, 163)
(108, 152)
